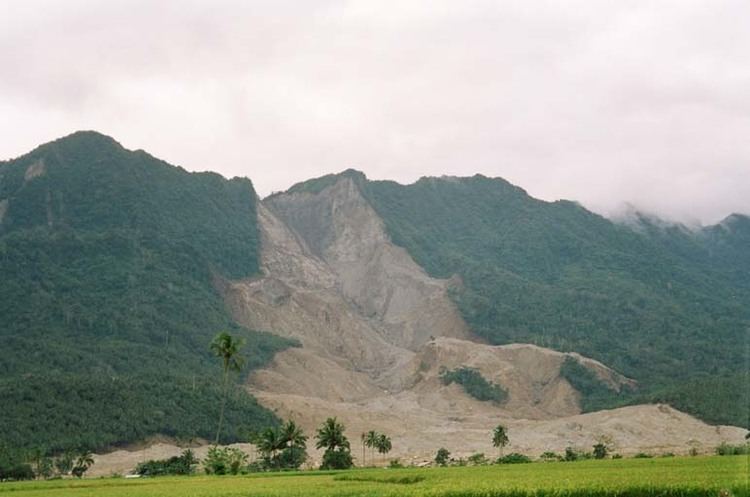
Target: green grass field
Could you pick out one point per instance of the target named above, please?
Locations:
(669, 477)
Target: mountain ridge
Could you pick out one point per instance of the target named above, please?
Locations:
(361, 176)
(567, 229)
(109, 254)
(333, 223)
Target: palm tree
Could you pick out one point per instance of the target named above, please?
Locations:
(331, 435)
(293, 444)
(64, 463)
(269, 442)
(284, 447)
(227, 348)
(292, 436)
(83, 463)
(85, 459)
(363, 438)
(500, 438)
(383, 444)
(371, 441)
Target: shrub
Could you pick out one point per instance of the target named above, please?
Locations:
(340, 458)
(64, 463)
(477, 459)
(16, 471)
(475, 384)
(570, 454)
(222, 461)
(726, 449)
(177, 465)
(642, 455)
(550, 456)
(292, 457)
(600, 451)
(441, 458)
(215, 463)
(236, 459)
(514, 458)
(395, 464)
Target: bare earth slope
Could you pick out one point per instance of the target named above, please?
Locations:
(375, 331)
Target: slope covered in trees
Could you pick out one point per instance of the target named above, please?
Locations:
(108, 260)
(665, 305)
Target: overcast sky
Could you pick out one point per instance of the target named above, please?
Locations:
(604, 102)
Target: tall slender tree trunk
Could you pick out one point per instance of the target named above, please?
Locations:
(223, 404)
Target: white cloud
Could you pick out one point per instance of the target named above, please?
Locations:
(604, 102)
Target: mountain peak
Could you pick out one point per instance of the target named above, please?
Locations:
(735, 217)
(88, 138)
(735, 223)
(316, 185)
(352, 173)
(85, 142)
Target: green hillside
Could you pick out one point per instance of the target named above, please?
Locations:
(107, 301)
(659, 303)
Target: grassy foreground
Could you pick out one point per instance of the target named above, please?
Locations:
(693, 476)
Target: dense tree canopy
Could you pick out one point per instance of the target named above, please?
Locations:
(108, 261)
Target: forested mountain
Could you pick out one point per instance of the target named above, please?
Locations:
(660, 303)
(107, 302)
(111, 261)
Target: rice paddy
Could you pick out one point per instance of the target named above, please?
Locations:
(669, 477)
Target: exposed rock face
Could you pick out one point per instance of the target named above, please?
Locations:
(36, 169)
(359, 305)
(366, 314)
(380, 279)
(299, 298)
(376, 330)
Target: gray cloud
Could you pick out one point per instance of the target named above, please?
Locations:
(605, 102)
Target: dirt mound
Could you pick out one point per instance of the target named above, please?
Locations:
(123, 462)
(417, 432)
(530, 375)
